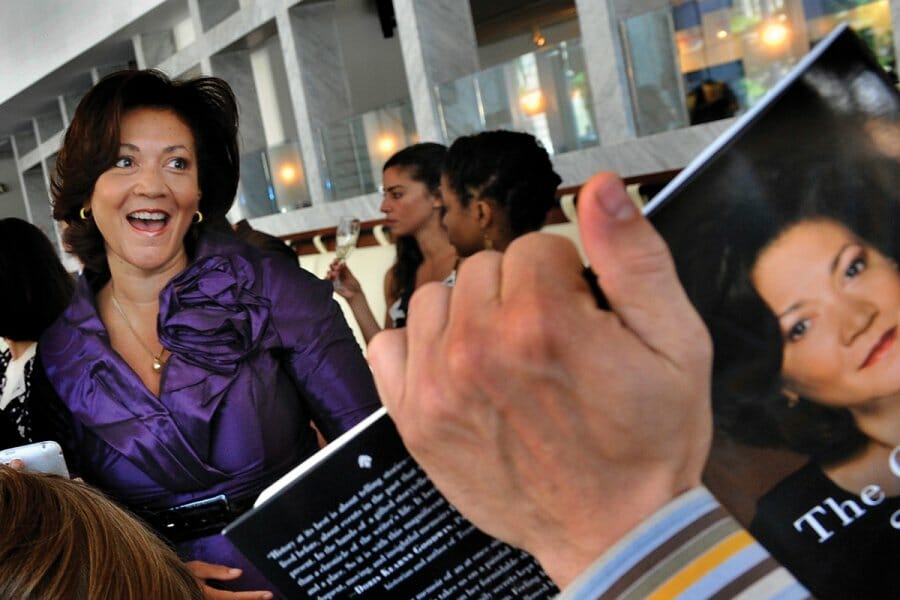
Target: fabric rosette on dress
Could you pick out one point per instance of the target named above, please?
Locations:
(212, 318)
(211, 315)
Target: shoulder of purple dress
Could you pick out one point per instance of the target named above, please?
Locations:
(74, 344)
(79, 318)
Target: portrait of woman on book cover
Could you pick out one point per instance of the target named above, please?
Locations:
(819, 285)
(788, 245)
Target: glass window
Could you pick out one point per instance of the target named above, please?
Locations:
(728, 53)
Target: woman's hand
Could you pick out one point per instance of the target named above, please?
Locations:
(204, 571)
(346, 284)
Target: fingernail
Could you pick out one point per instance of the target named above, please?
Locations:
(616, 202)
(267, 596)
(234, 571)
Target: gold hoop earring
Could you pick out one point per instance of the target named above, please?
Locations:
(197, 218)
(84, 214)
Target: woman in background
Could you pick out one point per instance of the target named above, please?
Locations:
(496, 186)
(64, 539)
(191, 362)
(412, 207)
(36, 289)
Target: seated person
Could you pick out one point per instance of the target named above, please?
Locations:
(64, 539)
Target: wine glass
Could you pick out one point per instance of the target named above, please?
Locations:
(346, 235)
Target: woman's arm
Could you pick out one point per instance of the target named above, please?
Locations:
(389, 297)
(320, 352)
(349, 288)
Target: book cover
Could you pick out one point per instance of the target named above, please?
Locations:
(784, 234)
(360, 519)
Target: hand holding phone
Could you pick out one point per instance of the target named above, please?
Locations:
(40, 457)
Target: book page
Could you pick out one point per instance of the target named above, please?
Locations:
(367, 522)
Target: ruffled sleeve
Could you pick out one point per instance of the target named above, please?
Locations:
(321, 353)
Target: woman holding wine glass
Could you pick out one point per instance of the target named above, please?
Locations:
(345, 237)
(413, 208)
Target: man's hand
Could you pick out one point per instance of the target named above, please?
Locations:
(549, 423)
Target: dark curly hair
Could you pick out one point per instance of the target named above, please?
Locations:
(36, 287)
(91, 146)
(509, 167)
(422, 162)
(754, 206)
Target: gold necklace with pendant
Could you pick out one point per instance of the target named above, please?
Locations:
(157, 358)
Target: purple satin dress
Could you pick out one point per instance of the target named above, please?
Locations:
(258, 349)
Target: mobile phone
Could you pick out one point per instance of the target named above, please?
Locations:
(40, 457)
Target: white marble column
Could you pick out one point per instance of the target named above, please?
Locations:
(606, 70)
(21, 178)
(313, 64)
(895, 21)
(438, 41)
(137, 44)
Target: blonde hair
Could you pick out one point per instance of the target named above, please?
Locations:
(63, 539)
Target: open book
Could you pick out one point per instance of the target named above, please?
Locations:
(785, 236)
(360, 519)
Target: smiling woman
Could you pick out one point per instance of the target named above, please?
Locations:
(191, 363)
(802, 296)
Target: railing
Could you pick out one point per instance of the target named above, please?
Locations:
(354, 150)
(545, 93)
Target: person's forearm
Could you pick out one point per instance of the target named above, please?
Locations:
(368, 325)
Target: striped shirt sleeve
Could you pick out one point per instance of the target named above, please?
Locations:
(691, 548)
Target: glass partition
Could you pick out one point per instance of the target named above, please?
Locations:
(354, 150)
(727, 53)
(655, 83)
(545, 93)
(272, 180)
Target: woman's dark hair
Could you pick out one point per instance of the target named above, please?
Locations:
(422, 162)
(759, 205)
(36, 287)
(91, 146)
(511, 168)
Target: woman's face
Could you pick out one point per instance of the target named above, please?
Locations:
(838, 305)
(144, 203)
(462, 225)
(407, 204)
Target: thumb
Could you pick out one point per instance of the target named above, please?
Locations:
(205, 570)
(634, 267)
